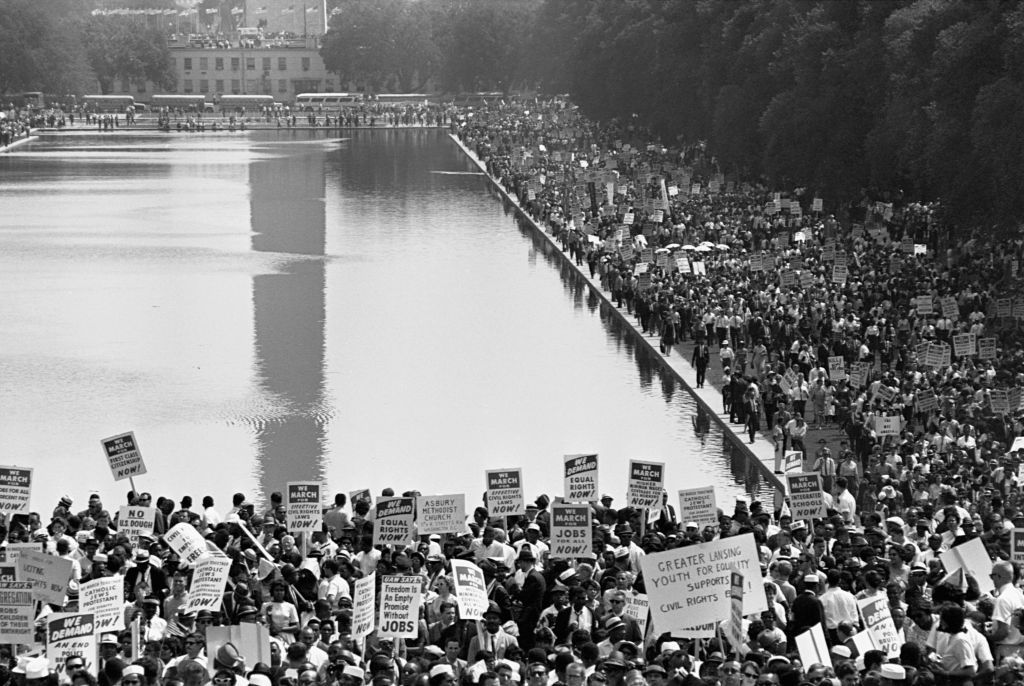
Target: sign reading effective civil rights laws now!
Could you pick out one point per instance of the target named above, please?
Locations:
(580, 478)
(303, 508)
(505, 492)
(123, 454)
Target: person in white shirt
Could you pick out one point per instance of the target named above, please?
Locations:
(332, 586)
(1005, 636)
(839, 605)
(211, 518)
(846, 503)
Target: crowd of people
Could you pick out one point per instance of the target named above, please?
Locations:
(813, 320)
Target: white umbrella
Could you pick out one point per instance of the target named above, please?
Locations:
(661, 250)
(689, 247)
(672, 246)
(640, 239)
(703, 248)
(722, 246)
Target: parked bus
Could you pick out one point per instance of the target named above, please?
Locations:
(33, 99)
(108, 103)
(402, 98)
(189, 103)
(246, 103)
(307, 102)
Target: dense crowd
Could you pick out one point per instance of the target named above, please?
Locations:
(17, 122)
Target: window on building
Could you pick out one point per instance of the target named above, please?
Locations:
(218, 85)
(329, 85)
(266, 64)
(250, 63)
(234, 64)
(188, 64)
(236, 86)
(204, 86)
(252, 86)
(305, 64)
(282, 85)
(188, 85)
(218, 63)
(282, 63)
(204, 63)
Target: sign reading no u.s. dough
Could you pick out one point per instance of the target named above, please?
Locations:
(580, 478)
(690, 586)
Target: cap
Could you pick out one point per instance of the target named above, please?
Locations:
(692, 525)
(355, 672)
(842, 652)
(492, 609)
(811, 579)
(441, 669)
(259, 680)
(108, 639)
(133, 670)
(894, 672)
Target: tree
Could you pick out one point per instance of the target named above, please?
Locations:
(117, 48)
(38, 50)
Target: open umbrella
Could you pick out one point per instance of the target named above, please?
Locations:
(640, 239)
(689, 247)
(703, 248)
(672, 246)
(722, 246)
(661, 250)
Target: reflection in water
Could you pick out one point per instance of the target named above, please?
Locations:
(287, 216)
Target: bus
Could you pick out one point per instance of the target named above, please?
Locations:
(245, 103)
(189, 103)
(307, 102)
(33, 99)
(402, 98)
(108, 103)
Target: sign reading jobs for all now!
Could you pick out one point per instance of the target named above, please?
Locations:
(440, 514)
(392, 523)
(646, 483)
(303, 509)
(400, 599)
(570, 531)
(689, 588)
(15, 489)
(123, 454)
(806, 496)
(580, 478)
(698, 505)
(505, 495)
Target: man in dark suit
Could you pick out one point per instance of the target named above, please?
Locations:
(530, 595)
(147, 574)
(807, 609)
(700, 360)
(667, 523)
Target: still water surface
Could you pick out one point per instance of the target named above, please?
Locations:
(264, 307)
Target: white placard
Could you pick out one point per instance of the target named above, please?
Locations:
(400, 599)
(570, 531)
(505, 493)
(15, 489)
(392, 523)
(470, 589)
(364, 607)
(698, 505)
(581, 478)
(123, 456)
(440, 514)
(104, 600)
(646, 482)
(806, 496)
(209, 580)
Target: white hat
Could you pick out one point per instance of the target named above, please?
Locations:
(692, 525)
(133, 670)
(842, 652)
(441, 669)
(894, 672)
(670, 647)
(811, 579)
(259, 680)
(38, 668)
(353, 671)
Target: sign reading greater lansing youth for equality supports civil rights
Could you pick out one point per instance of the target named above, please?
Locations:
(15, 489)
(71, 634)
(124, 456)
(470, 589)
(698, 505)
(304, 512)
(878, 620)
(580, 478)
(392, 522)
(135, 521)
(646, 482)
(570, 531)
(17, 612)
(49, 575)
(505, 495)
(209, 579)
(186, 543)
(400, 599)
(104, 600)
(440, 514)
(364, 608)
(689, 588)
(806, 495)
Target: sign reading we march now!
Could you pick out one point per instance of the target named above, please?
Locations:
(123, 454)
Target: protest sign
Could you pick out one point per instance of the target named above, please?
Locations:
(950, 310)
(304, 512)
(842, 260)
(362, 494)
(689, 587)
(837, 368)
(209, 580)
(887, 425)
(186, 543)
(839, 274)
(787, 279)
(806, 495)
(104, 600)
(364, 607)
(470, 589)
(927, 401)
(963, 344)
(735, 629)
(17, 612)
(683, 265)
(15, 489)
(828, 254)
(124, 456)
(924, 304)
(1017, 545)
(816, 205)
(440, 514)
(757, 263)
(933, 358)
(646, 481)
(699, 268)
(71, 634)
(400, 599)
(698, 505)
(813, 647)
(48, 574)
(1000, 399)
(135, 521)
(806, 280)
(570, 531)
(793, 459)
(1004, 307)
(878, 622)
(971, 557)
(987, 348)
(580, 478)
(886, 393)
(392, 524)
(638, 607)
(505, 493)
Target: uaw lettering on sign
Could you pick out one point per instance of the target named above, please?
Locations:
(400, 599)
(70, 634)
(646, 482)
(363, 605)
(470, 589)
(580, 478)
(186, 543)
(392, 524)
(689, 588)
(570, 531)
(135, 521)
(505, 493)
(878, 621)
(806, 497)
(15, 489)
(303, 509)
(104, 600)
(17, 612)
(698, 505)
(124, 456)
(440, 514)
